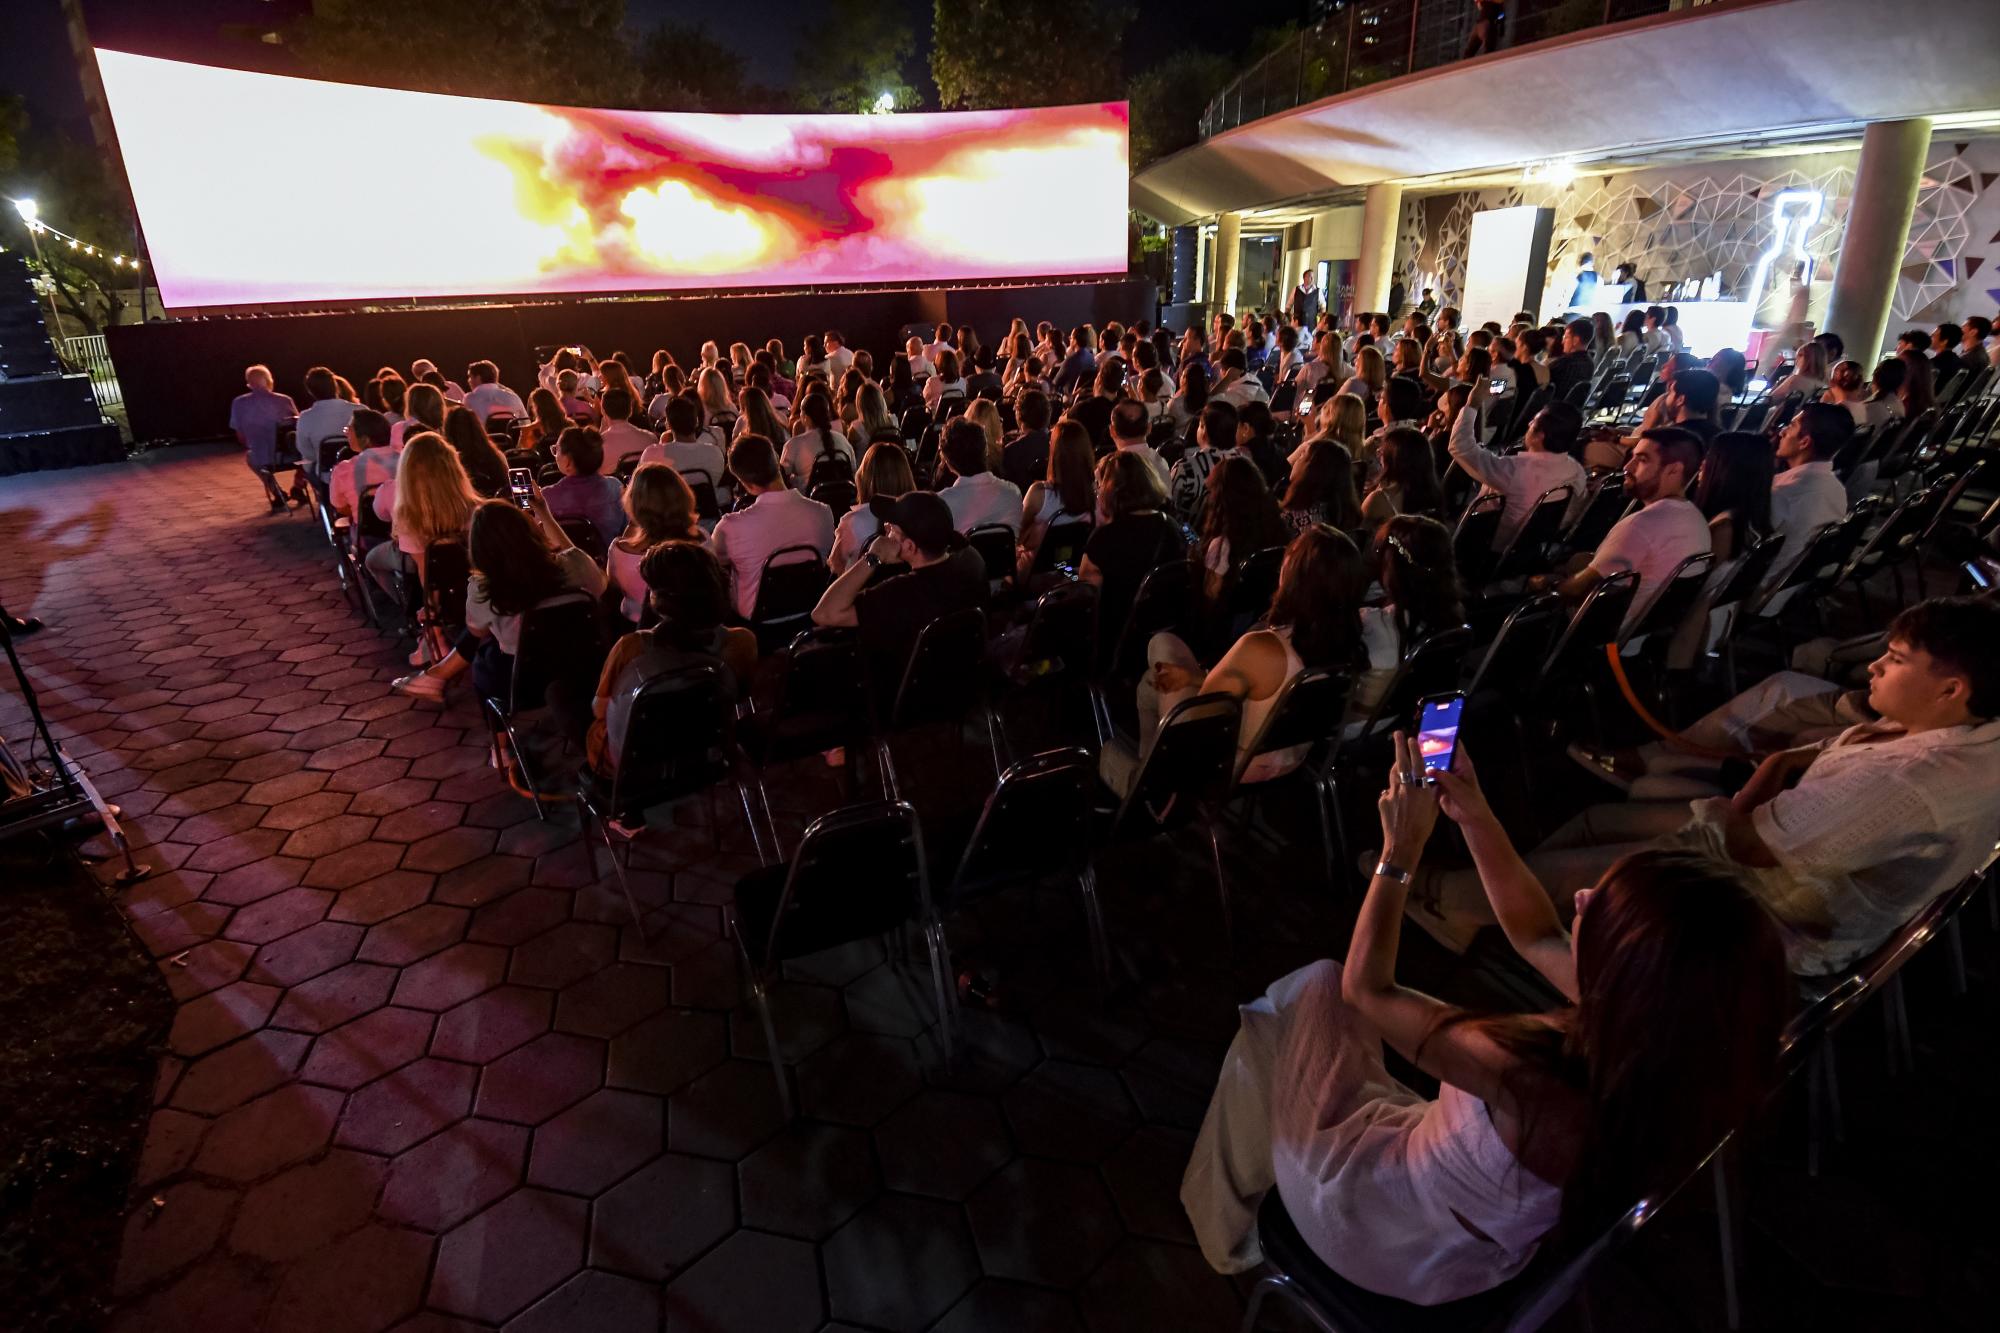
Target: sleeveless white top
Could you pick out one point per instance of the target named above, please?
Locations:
(1278, 762)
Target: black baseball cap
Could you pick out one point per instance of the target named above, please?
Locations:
(924, 518)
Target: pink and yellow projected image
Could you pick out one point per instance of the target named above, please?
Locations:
(255, 189)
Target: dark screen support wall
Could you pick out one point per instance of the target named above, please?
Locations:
(178, 377)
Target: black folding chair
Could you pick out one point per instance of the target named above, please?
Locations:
(859, 872)
(1061, 548)
(447, 577)
(1189, 767)
(1607, 504)
(586, 536)
(1578, 655)
(998, 546)
(1527, 553)
(559, 647)
(1332, 1304)
(1164, 602)
(679, 738)
(943, 681)
(1253, 585)
(706, 506)
(812, 709)
(788, 589)
(1307, 716)
(1472, 541)
(1035, 825)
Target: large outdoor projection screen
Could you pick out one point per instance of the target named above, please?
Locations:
(257, 189)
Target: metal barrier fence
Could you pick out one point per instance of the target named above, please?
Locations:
(1369, 41)
(88, 353)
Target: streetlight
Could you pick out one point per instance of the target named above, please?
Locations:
(885, 103)
(31, 214)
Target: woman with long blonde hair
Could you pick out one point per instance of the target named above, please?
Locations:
(987, 414)
(717, 407)
(661, 509)
(1371, 373)
(760, 417)
(871, 418)
(423, 409)
(430, 499)
(885, 471)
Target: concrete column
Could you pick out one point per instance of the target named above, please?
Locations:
(1228, 259)
(1878, 234)
(1375, 266)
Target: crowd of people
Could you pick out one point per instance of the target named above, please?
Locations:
(1669, 921)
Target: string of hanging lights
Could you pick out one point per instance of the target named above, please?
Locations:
(31, 216)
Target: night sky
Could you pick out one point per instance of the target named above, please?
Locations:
(34, 59)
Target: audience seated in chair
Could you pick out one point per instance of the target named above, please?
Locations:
(255, 417)
(1546, 1126)
(427, 499)
(1843, 837)
(518, 560)
(1067, 494)
(976, 497)
(1313, 622)
(690, 594)
(583, 492)
(776, 517)
(1652, 540)
(658, 507)
(485, 466)
(374, 461)
(1547, 460)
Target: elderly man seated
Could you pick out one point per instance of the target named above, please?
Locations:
(1844, 837)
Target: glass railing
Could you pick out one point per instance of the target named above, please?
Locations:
(1368, 41)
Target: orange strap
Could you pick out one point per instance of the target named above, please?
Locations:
(1672, 738)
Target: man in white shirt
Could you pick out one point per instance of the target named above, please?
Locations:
(776, 517)
(1130, 423)
(621, 437)
(326, 419)
(920, 362)
(838, 357)
(1807, 496)
(454, 392)
(942, 343)
(977, 498)
(1846, 838)
(1237, 386)
(1546, 461)
(488, 395)
(1654, 539)
(687, 448)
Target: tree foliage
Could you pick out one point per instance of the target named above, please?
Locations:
(853, 53)
(1003, 53)
(77, 188)
(1168, 100)
(683, 67)
(560, 51)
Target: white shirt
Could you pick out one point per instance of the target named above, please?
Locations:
(325, 419)
(1804, 498)
(744, 539)
(1244, 392)
(857, 528)
(937, 389)
(1523, 478)
(803, 450)
(981, 499)
(1148, 454)
(486, 399)
(685, 456)
(1872, 833)
(838, 359)
(1653, 541)
(622, 438)
(921, 367)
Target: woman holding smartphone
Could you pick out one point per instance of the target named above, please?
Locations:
(1546, 1126)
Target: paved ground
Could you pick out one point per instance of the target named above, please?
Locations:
(426, 1074)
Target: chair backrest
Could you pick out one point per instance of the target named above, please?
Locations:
(1544, 525)
(1062, 546)
(1432, 665)
(625, 467)
(1193, 754)
(997, 546)
(679, 737)
(913, 424)
(559, 643)
(1309, 710)
(790, 585)
(1879, 967)
(1062, 627)
(1599, 621)
(1472, 540)
(367, 523)
(1676, 598)
(1163, 602)
(1522, 645)
(447, 574)
(837, 494)
(1256, 582)
(586, 536)
(327, 453)
(705, 504)
(1749, 572)
(1036, 821)
(859, 871)
(946, 674)
(1525, 408)
(1600, 514)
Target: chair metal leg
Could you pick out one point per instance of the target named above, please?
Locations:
(618, 869)
(1221, 881)
(1280, 1284)
(1324, 803)
(1728, 1226)
(1093, 917)
(1955, 937)
(885, 757)
(941, 985)
(1896, 1022)
(770, 824)
(996, 742)
(750, 821)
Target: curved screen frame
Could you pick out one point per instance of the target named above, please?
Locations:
(262, 189)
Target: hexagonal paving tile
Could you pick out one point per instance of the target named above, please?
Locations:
(183, 1226)
(659, 1218)
(667, 1051)
(239, 1072)
(275, 1130)
(943, 1144)
(750, 1281)
(452, 1175)
(416, 934)
(1076, 1112)
(596, 1301)
(1043, 1222)
(496, 1264)
(367, 1280)
(308, 1206)
(531, 1084)
(808, 1180)
(335, 997)
(404, 1108)
(488, 1026)
(451, 977)
(608, 1002)
(726, 1112)
(603, 1137)
(900, 1263)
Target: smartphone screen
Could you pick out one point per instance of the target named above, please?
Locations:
(1437, 731)
(1497, 384)
(521, 486)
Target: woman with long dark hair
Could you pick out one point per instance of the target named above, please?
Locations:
(484, 463)
(1311, 623)
(1184, 408)
(1321, 488)
(519, 560)
(1238, 519)
(546, 423)
(816, 439)
(1733, 491)
(1067, 494)
(1421, 596)
(1546, 1126)
(1408, 482)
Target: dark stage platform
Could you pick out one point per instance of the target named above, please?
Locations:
(178, 376)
